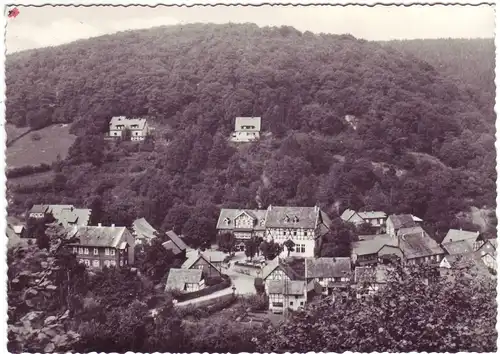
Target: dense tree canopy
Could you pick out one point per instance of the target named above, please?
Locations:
(418, 139)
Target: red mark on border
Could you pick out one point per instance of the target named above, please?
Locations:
(13, 13)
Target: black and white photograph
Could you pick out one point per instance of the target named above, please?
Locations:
(268, 178)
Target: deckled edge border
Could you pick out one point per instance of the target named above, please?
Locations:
(3, 25)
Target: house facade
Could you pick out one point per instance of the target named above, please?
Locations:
(242, 223)
(100, 246)
(375, 219)
(246, 129)
(304, 226)
(285, 295)
(138, 127)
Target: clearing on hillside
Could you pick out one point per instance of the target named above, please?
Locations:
(41, 146)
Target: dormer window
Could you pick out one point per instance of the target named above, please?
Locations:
(227, 221)
(295, 219)
(287, 218)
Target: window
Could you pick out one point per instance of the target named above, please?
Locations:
(112, 263)
(95, 263)
(305, 233)
(302, 303)
(96, 251)
(106, 263)
(86, 250)
(295, 233)
(320, 279)
(106, 251)
(291, 303)
(75, 249)
(80, 250)
(87, 262)
(112, 252)
(121, 262)
(303, 248)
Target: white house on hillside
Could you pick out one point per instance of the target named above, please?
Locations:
(246, 129)
(138, 127)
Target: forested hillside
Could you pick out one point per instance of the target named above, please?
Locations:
(422, 142)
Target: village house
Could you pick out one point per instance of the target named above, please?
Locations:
(375, 219)
(99, 246)
(304, 226)
(330, 273)
(143, 232)
(369, 280)
(202, 262)
(242, 223)
(285, 295)
(488, 254)
(185, 280)
(65, 215)
(246, 129)
(137, 127)
(370, 250)
(175, 244)
(396, 222)
(469, 237)
(285, 284)
(411, 245)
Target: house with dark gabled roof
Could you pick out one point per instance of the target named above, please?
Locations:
(200, 261)
(242, 223)
(100, 246)
(175, 244)
(304, 226)
(418, 247)
(396, 222)
(369, 280)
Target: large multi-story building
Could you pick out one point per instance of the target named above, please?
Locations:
(304, 226)
(99, 246)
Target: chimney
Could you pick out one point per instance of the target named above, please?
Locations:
(99, 225)
(112, 225)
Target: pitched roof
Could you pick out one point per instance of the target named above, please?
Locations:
(328, 267)
(39, 208)
(270, 267)
(178, 278)
(458, 247)
(402, 220)
(143, 230)
(292, 217)
(195, 257)
(18, 228)
(128, 122)
(292, 287)
(373, 245)
(249, 122)
(372, 214)
(347, 214)
(100, 236)
(214, 256)
(370, 274)
(67, 214)
(418, 244)
(258, 215)
(460, 235)
(175, 244)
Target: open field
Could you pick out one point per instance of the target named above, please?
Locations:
(13, 131)
(54, 140)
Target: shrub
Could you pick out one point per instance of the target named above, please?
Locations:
(210, 281)
(255, 302)
(137, 168)
(259, 285)
(27, 170)
(36, 136)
